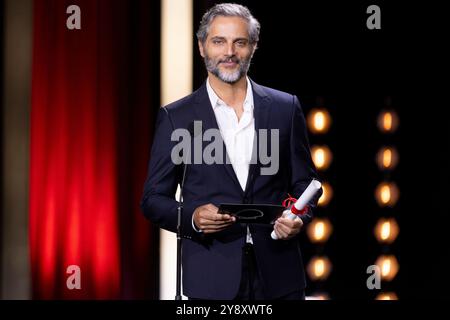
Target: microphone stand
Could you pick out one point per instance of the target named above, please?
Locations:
(179, 233)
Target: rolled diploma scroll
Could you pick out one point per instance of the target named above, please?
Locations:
(301, 203)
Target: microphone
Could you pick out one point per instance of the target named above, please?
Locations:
(301, 203)
(186, 159)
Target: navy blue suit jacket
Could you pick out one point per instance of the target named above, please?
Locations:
(212, 263)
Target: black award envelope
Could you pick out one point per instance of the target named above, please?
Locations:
(252, 213)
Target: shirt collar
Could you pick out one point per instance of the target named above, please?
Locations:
(216, 101)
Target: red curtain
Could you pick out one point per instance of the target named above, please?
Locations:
(94, 95)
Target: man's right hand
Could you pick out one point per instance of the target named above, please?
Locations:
(208, 220)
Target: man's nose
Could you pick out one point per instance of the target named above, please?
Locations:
(230, 49)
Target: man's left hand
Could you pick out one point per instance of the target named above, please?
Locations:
(286, 229)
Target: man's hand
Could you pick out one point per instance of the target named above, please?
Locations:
(207, 219)
(286, 229)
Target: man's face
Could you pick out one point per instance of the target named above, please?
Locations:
(227, 52)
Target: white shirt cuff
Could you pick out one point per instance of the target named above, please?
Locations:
(194, 227)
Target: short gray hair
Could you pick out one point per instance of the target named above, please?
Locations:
(229, 10)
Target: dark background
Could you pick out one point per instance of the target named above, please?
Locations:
(323, 52)
(1, 130)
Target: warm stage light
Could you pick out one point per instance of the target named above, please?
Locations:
(388, 266)
(387, 296)
(387, 158)
(176, 82)
(319, 268)
(319, 121)
(386, 230)
(319, 230)
(326, 196)
(387, 194)
(388, 121)
(321, 156)
(318, 296)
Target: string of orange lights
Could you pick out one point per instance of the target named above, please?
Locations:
(387, 195)
(320, 229)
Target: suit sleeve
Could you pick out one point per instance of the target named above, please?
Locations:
(302, 166)
(158, 201)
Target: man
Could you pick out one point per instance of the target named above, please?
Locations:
(223, 259)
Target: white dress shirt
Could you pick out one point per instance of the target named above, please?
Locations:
(237, 134)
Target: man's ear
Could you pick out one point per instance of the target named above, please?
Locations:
(200, 48)
(255, 46)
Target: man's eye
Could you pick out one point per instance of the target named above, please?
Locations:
(217, 41)
(241, 43)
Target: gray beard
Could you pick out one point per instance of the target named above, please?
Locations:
(232, 77)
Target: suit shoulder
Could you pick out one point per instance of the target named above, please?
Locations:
(180, 104)
(279, 98)
(278, 95)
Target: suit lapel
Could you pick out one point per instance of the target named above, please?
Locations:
(205, 113)
(261, 112)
